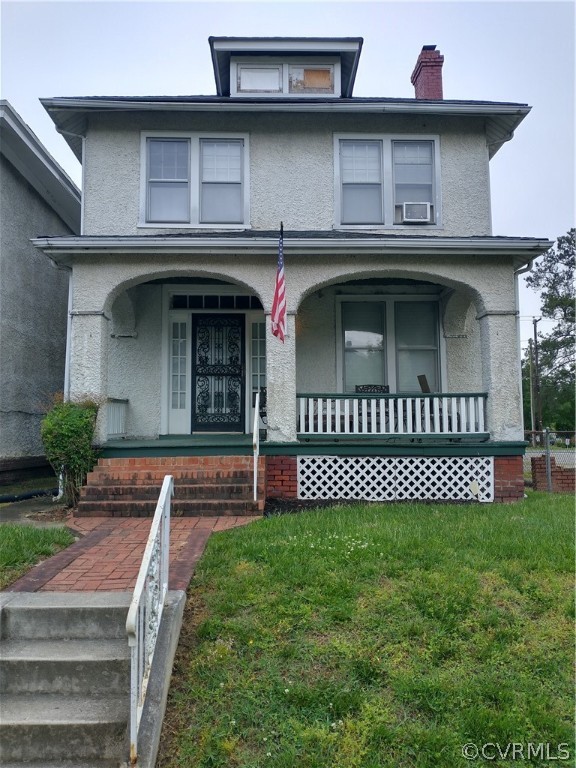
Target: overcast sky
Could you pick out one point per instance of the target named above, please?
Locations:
(497, 51)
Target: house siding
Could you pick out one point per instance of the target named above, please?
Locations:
(33, 310)
(291, 168)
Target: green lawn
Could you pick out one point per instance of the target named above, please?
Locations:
(22, 546)
(371, 636)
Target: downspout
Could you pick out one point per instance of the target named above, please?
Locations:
(517, 273)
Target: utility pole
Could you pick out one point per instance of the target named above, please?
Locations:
(531, 382)
(537, 393)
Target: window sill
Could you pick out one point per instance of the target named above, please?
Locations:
(162, 225)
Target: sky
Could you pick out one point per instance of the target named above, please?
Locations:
(514, 51)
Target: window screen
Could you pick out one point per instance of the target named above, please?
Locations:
(361, 178)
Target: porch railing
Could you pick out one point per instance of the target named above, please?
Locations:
(145, 613)
(117, 412)
(392, 415)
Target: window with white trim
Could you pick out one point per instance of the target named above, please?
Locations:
(193, 180)
(386, 181)
(361, 175)
(413, 182)
(390, 341)
(168, 180)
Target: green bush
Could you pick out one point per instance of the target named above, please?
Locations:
(68, 434)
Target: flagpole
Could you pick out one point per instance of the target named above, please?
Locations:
(278, 315)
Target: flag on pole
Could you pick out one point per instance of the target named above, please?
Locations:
(278, 316)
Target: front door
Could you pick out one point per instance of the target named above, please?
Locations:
(218, 373)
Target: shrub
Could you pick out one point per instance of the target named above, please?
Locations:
(67, 433)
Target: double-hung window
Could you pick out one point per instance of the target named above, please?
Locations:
(221, 181)
(192, 180)
(168, 198)
(386, 181)
(390, 340)
(361, 175)
(413, 181)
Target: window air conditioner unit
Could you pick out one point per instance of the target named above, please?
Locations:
(416, 213)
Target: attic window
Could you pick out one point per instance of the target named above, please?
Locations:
(253, 79)
(311, 79)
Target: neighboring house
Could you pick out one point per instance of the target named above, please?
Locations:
(393, 276)
(36, 198)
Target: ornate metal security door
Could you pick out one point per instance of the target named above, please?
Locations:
(218, 373)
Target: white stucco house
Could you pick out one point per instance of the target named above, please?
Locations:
(36, 197)
(394, 280)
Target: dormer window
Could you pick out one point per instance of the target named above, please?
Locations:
(253, 79)
(286, 77)
(311, 79)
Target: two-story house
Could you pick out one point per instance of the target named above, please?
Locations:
(36, 196)
(399, 375)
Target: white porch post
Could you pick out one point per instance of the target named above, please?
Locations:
(89, 362)
(281, 382)
(501, 374)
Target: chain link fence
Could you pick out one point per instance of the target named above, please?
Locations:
(555, 465)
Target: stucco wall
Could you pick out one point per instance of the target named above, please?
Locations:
(478, 350)
(291, 168)
(33, 309)
(135, 363)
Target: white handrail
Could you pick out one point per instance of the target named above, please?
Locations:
(145, 612)
(256, 442)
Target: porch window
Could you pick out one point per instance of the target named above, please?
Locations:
(361, 175)
(178, 365)
(168, 180)
(390, 341)
(364, 333)
(258, 355)
(221, 181)
(416, 344)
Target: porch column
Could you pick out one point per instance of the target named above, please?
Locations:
(89, 362)
(281, 383)
(501, 374)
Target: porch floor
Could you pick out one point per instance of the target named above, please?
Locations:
(241, 445)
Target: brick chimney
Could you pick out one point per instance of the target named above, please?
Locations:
(427, 75)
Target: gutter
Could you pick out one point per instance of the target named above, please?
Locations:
(526, 248)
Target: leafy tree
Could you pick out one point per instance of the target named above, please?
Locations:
(553, 276)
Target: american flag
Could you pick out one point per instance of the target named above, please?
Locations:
(279, 304)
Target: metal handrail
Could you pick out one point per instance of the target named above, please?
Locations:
(145, 612)
(256, 441)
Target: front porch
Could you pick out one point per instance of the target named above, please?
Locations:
(325, 466)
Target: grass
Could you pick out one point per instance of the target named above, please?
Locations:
(22, 546)
(377, 636)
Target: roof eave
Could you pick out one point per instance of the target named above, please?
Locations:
(22, 148)
(64, 250)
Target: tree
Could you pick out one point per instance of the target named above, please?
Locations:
(553, 276)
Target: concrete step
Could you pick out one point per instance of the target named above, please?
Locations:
(91, 667)
(70, 615)
(180, 508)
(55, 727)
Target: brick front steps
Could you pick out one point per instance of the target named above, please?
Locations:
(203, 486)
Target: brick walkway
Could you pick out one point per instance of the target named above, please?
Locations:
(107, 557)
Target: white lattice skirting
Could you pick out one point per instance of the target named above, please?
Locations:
(396, 478)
